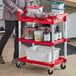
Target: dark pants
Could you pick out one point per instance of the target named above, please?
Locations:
(9, 26)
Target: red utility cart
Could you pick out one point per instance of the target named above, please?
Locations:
(52, 20)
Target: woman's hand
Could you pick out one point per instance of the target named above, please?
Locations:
(20, 10)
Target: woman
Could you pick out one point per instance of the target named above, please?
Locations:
(11, 21)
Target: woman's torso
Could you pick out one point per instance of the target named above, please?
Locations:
(13, 16)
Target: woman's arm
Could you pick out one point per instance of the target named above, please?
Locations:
(11, 6)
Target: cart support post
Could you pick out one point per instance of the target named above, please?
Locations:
(19, 35)
(33, 25)
(65, 36)
(52, 27)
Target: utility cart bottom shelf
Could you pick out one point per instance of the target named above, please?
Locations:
(58, 61)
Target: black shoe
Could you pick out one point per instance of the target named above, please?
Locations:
(14, 61)
(1, 60)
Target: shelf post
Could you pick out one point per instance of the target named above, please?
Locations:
(65, 36)
(52, 27)
(33, 25)
(19, 36)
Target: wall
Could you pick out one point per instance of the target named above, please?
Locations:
(1, 3)
(71, 28)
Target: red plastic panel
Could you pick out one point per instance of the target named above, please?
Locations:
(42, 43)
(32, 41)
(58, 20)
(65, 60)
(43, 21)
(33, 7)
(25, 11)
(61, 15)
(58, 61)
(60, 41)
(50, 20)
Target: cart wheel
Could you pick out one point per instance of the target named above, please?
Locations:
(63, 66)
(50, 71)
(18, 65)
(22, 63)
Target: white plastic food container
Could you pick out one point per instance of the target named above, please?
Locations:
(57, 11)
(42, 53)
(58, 5)
(57, 36)
(31, 10)
(38, 35)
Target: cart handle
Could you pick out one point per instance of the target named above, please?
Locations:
(19, 14)
(60, 15)
(25, 11)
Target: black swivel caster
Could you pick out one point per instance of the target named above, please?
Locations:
(63, 66)
(18, 65)
(50, 71)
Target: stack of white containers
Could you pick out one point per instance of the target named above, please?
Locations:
(42, 53)
(57, 8)
(31, 10)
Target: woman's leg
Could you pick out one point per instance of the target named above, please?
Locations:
(16, 43)
(8, 31)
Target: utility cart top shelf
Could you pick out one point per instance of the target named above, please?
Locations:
(50, 20)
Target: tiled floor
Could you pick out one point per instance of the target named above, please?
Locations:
(73, 41)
